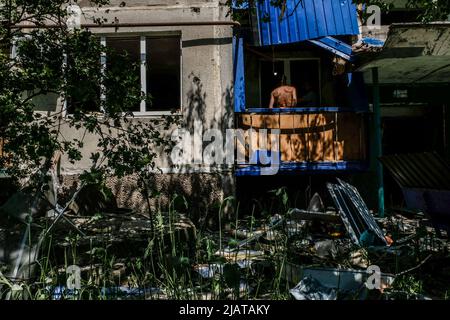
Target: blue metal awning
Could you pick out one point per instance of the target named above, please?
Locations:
(335, 46)
(305, 20)
(313, 21)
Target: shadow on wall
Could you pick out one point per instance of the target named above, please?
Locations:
(321, 137)
(227, 120)
(195, 109)
(196, 102)
(203, 191)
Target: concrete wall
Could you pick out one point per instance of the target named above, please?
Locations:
(206, 89)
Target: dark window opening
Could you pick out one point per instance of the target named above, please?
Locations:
(163, 73)
(271, 73)
(305, 78)
(129, 49)
(83, 89)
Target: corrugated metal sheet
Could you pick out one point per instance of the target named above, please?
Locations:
(305, 20)
(354, 212)
(421, 170)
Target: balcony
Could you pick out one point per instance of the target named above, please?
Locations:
(309, 140)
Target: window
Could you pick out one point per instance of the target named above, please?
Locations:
(160, 78)
(159, 73)
(163, 73)
(47, 100)
(129, 47)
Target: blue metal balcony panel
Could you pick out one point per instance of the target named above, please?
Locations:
(239, 74)
(306, 168)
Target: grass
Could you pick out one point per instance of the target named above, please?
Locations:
(167, 266)
(165, 270)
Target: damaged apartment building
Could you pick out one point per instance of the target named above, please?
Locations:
(369, 89)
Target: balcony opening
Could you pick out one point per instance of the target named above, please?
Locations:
(303, 74)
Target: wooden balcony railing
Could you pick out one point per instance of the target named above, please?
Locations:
(311, 137)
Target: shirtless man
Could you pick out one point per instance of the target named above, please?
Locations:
(285, 96)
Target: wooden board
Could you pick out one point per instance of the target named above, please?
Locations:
(317, 137)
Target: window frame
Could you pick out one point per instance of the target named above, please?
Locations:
(143, 67)
(143, 71)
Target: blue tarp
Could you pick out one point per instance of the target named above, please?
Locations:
(356, 92)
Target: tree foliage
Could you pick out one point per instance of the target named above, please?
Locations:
(67, 63)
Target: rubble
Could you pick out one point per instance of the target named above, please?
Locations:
(356, 217)
(321, 253)
(311, 289)
(208, 271)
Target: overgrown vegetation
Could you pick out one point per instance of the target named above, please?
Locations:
(206, 265)
(178, 261)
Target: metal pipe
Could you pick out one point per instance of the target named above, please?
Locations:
(140, 24)
(444, 130)
(377, 139)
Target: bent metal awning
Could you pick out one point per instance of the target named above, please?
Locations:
(315, 21)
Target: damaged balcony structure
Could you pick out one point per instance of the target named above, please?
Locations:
(311, 45)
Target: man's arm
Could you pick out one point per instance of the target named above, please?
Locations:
(294, 98)
(272, 101)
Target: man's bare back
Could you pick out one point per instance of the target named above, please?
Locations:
(283, 97)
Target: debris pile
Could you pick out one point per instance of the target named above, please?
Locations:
(339, 251)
